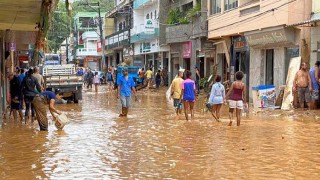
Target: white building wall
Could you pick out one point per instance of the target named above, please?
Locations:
(315, 38)
(154, 47)
(140, 17)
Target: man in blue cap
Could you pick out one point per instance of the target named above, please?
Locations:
(125, 86)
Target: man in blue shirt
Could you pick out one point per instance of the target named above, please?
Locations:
(40, 103)
(125, 86)
(22, 75)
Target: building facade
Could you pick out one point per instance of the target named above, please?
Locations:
(315, 32)
(117, 36)
(86, 53)
(186, 34)
(256, 37)
(145, 35)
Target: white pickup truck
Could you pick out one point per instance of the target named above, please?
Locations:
(63, 77)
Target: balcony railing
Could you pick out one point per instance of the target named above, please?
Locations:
(87, 52)
(138, 3)
(117, 39)
(197, 27)
(144, 36)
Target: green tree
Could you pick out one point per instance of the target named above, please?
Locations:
(60, 25)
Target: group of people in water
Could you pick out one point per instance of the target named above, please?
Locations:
(183, 93)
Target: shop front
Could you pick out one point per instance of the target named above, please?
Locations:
(240, 59)
(270, 52)
(92, 62)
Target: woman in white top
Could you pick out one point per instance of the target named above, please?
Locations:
(216, 98)
(96, 81)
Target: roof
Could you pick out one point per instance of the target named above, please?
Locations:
(314, 18)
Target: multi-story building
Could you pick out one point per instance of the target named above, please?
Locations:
(87, 37)
(145, 35)
(117, 35)
(183, 26)
(315, 32)
(257, 37)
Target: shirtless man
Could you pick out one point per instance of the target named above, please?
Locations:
(302, 84)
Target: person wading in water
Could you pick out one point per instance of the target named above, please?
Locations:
(40, 102)
(238, 96)
(188, 94)
(303, 84)
(30, 87)
(125, 86)
(216, 98)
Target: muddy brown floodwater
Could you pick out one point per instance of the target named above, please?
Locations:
(153, 144)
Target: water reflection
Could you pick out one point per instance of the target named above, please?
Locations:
(152, 144)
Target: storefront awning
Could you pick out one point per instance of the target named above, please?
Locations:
(314, 18)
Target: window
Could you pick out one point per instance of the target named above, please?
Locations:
(215, 6)
(269, 66)
(147, 17)
(230, 4)
(120, 26)
(186, 8)
(151, 15)
(124, 24)
(249, 10)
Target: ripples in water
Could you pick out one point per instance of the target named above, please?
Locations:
(153, 144)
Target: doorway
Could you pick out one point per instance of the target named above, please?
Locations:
(269, 66)
(186, 63)
(201, 66)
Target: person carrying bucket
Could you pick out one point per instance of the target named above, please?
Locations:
(40, 102)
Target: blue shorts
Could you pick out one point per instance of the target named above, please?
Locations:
(176, 104)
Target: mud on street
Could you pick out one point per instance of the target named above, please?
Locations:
(154, 144)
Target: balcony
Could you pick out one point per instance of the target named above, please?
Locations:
(139, 37)
(185, 32)
(90, 34)
(139, 4)
(87, 52)
(118, 39)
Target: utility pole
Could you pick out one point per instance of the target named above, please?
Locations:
(100, 30)
(67, 50)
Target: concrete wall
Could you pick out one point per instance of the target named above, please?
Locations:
(232, 22)
(315, 34)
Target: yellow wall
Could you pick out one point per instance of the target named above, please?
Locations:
(316, 6)
(109, 26)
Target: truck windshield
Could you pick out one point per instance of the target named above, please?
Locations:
(51, 59)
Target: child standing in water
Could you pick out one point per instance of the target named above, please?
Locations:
(96, 80)
(216, 98)
(238, 96)
(188, 94)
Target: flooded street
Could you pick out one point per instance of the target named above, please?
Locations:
(153, 144)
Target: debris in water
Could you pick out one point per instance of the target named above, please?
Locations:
(173, 164)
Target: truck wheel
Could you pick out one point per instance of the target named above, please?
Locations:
(75, 99)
